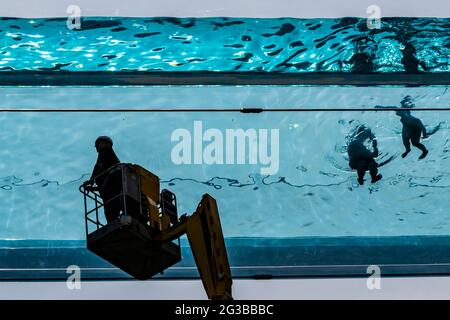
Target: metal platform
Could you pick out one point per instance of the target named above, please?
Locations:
(127, 244)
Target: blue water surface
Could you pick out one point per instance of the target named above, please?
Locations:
(226, 44)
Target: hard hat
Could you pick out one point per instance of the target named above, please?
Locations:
(104, 138)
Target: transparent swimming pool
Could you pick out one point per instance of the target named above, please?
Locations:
(307, 215)
(312, 200)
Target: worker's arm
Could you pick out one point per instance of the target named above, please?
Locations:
(90, 183)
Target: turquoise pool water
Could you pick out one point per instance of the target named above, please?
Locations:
(226, 44)
(306, 189)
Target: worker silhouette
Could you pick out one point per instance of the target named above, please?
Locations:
(108, 183)
(361, 158)
(106, 178)
(413, 128)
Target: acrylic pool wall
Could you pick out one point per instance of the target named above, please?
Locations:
(307, 217)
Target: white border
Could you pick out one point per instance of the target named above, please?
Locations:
(295, 289)
(228, 8)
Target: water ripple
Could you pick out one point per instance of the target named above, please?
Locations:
(409, 45)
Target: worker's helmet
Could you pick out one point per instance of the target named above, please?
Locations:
(103, 138)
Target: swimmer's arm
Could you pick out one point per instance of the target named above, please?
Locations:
(423, 129)
(375, 148)
(423, 65)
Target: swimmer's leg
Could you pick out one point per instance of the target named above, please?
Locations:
(353, 163)
(373, 169)
(406, 137)
(361, 170)
(415, 140)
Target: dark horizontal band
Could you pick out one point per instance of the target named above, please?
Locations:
(135, 78)
(249, 258)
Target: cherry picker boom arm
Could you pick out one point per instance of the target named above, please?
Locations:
(203, 230)
(205, 237)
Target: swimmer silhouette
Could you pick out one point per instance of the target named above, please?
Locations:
(361, 158)
(412, 129)
(364, 54)
(409, 59)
